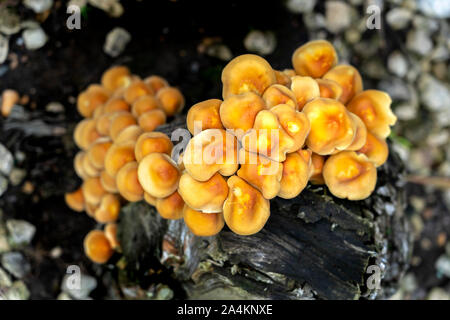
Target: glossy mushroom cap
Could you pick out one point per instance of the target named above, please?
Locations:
(117, 156)
(93, 191)
(238, 112)
(329, 89)
(144, 104)
(119, 122)
(203, 224)
(245, 211)
(283, 78)
(305, 89)
(85, 133)
(151, 200)
(91, 99)
(277, 94)
(115, 105)
(75, 200)
(78, 165)
(108, 182)
(211, 151)
(156, 83)
(97, 247)
(314, 58)
(152, 119)
(297, 169)
(374, 109)
(171, 99)
(332, 127)
(170, 207)
(360, 136)
(128, 183)
(116, 77)
(97, 152)
(158, 175)
(111, 234)
(207, 196)
(317, 162)
(108, 209)
(375, 149)
(247, 73)
(135, 90)
(261, 172)
(150, 142)
(350, 175)
(348, 78)
(295, 123)
(205, 115)
(87, 167)
(130, 133)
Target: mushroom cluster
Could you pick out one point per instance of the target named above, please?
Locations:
(121, 156)
(276, 130)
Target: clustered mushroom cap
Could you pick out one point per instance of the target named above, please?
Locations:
(130, 133)
(152, 119)
(203, 224)
(128, 183)
(172, 100)
(360, 135)
(151, 142)
(114, 105)
(170, 207)
(350, 175)
(108, 182)
(75, 200)
(90, 99)
(348, 78)
(144, 104)
(305, 89)
(283, 78)
(375, 149)
(97, 152)
(136, 89)
(297, 169)
(151, 200)
(111, 235)
(120, 121)
(85, 133)
(97, 247)
(329, 89)
(156, 83)
(93, 191)
(278, 94)
(108, 209)
(314, 58)
(205, 113)
(117, 156)
(374, 109)
(317, 162)
(115, 78)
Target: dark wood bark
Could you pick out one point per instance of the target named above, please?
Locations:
(313, 247)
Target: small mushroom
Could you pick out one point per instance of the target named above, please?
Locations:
(206, 196)
(283, 78)
(88, 168)
(204, 114)
(203, 224)
(150, 199)
(85, 133)
(247, 73)
(97, 152)
(103, 123)
(117, 156)
(97, 247)
(108, 182)
(296, 172)
(90, 99)
(305, 89)
(150, 142)
(170, 207)
(245, 211)
(115, 78)
(111, 234)
(78, 165)
(171, 99)
(90, 209)
(158, 175)
(115, 105)
(144, 104)
(317, 162)
(9, 99)
(93, 191)
(295, 123)
(278, 94)
(128, 183)
(238, 112)
(120, 121)
(108, 209)
(329, 89)
(152, 119)
(348, 78)
(314, 58)
(375, 149)
(156, 83)
(75, 200)
(136, 89)
(211, 151)
(350, 175)
(360, 136)
(130, 133)
(374, 109)
(332, 127)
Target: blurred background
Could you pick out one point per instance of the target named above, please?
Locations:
(401, 47)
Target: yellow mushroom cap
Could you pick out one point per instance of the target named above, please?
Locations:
(150, 199)
(203, 224)
(111, 234)
(211, 151)
(103, 123)
(305, 89)
(120, 121)
(91, 99)
(75, 200)
(108, 209)
(329, 89)
(97, 152)
(283, 78)
(238, 112)
(332, 127)
(247, 73)
(314, 58)
(374, 109)
(261, 172)
(150, 142)
(348, 78)
(90, 209)
(158, 175)
(350, 175)
(116, 77)
(117, 156)
(278, 94)
(130, 133)
(87, 167)
(375, 149)
(108, 182)
(78, 165)
(115, 105)
(206, 196)
(360, 136)
(171, 99)
(85, 133)
(128, 183)
(245, 211)
(144, 104)
(136, 89)
(204, 114)
(151, 120)
(93, 191)
(97, 247)
(317, 162)
(296, 172)
(156, 83)
(170, 207)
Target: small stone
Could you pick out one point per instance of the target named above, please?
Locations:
(54, 107)
(34, 38)
(164, 293)
(9, 22)
(4, 48)
(6, 160)
(18, 291)
(338, 16)
(116, 41)
(443, 265)
(397, 64)
(435, 8)
(4, 244)
(63, 296)
(405, 111)
(352, 35)
(399, 18)
(300, 6)
(263, 43)
(16, 176)
(15, 263)
(434, 94)
(426, 24)
(396, 88)
(38, 6)
(314, 21)
(417, 224)
(409, 283)
(3, 185)
(56, 252)
(220, 51)
(20, 232)
(112, 7)
(5, 279)
(439, 138)
(438, 294)
(87, 284)
(419, 42)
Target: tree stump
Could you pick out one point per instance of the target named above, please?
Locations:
(314, 246)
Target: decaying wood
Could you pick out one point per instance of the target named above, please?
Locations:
(313, 247)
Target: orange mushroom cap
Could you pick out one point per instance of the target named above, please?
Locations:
(116, 77)
(90, 209)
(117, 156)
(87, 167)
(130, 133)
(206, 196)
(245, 211)
(136, 89)
(115, 105)
(170, 207)
(314, 58)
(297, 169)
(97, 247)
(78, 165)
(156, 83)
(90, 99)
(93, 191)
(375, 149)
(128, 183)
(350, 175)
(103, 123)
(108, 209)
(247, 73)
(120, 121)
(203, 224)
(171, 99)
(150, 142)
(108, 182)
(111, 234)
(204, 114)
(278, 94)
(151, 120)
(85, 133)
(332, 127)
(374, 109)
(97, 152)
(282, 78)
(75, 200)
(150, 199)
(158, 175)
(305, 89)
(317, 162)
(144, 104)
(295, 123)
(348, 78)
(329, 89)
(360, 136)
